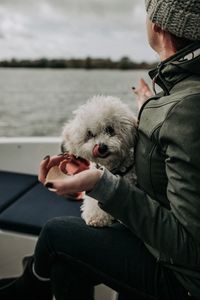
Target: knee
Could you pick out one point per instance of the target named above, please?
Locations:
(61, 226)
(61, 235)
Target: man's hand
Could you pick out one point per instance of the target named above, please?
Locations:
(143, 93)
(83, 181)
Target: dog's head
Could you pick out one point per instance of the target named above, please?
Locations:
(103, 131)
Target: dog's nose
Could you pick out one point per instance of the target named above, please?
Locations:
(100, 150)
(103, 148)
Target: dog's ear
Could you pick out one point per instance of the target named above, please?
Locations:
(134, 129)
(130, 128)
(66, 137)
(135, 125)
(63, 147)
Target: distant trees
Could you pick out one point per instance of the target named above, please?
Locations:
(88, 63)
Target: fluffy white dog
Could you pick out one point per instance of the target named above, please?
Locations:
(102, 131)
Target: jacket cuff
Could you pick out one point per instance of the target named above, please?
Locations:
(105, 187)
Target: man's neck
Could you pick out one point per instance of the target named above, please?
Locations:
(165, 53)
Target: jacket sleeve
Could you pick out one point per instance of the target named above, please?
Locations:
(174, 233)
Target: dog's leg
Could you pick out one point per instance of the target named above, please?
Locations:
(93, 215)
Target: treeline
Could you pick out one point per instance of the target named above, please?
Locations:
(125, 63)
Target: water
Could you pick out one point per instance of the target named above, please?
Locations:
(38, 102)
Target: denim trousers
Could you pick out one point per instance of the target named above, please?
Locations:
(76, 257)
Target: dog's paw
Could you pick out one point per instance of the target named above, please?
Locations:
(93, 215)
(98, 220)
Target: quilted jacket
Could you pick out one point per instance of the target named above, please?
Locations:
(163, 209)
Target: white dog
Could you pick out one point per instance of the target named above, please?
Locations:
(102, 131)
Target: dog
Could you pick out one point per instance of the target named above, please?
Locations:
(102, 131)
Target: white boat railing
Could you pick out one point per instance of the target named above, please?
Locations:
(23, 154)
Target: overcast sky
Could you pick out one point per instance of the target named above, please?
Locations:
(73, 28)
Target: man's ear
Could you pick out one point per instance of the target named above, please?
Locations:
(162, 35)
(156, 28)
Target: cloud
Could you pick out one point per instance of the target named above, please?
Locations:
(73, 28)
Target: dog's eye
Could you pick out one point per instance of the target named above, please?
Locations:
(109, 130)
(90, 135)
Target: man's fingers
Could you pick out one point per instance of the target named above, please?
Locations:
(145, 87)
(60, 187)
(143, 92)
(63, 165)
(46, 165)
(83, 181)
(55, 161)
(67, 186)
(43, 170)
(143, 82)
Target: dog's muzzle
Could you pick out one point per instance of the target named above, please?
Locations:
(100, 150)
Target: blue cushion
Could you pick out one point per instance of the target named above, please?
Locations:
(12, 186)
(32, 210)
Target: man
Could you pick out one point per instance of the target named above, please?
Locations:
(155, 251)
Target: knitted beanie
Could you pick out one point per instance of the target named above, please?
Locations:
(179, 17)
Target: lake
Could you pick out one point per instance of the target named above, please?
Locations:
(37, 102)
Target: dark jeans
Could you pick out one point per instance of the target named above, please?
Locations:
(77, 257)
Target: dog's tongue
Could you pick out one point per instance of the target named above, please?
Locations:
(95, 151)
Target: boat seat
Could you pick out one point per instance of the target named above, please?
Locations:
(12, 186)
(26, 205)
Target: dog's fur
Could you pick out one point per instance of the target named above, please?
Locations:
(102, 121)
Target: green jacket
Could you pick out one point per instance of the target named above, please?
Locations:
(164, 208)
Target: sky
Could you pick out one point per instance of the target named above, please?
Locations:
(74, 29)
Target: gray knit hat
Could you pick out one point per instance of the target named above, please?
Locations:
(180, 17)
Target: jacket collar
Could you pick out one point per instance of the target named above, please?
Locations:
(183, 64)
